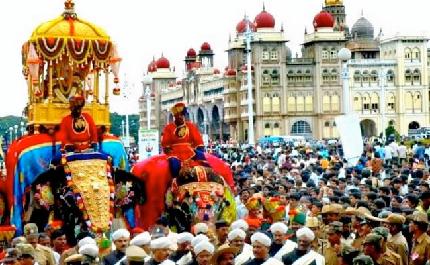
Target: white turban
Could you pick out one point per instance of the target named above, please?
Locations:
(305, 232)
(236, 233)
(184, 237)
(120, 233)
(261, 238)
(242, 224)
(198, 239)
(89, 250)
(161, 243)
(278, 227)
(141, 239)
(205, 245)
(167, 262)
(201, 228)
(86, 240)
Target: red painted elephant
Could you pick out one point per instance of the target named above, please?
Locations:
(155, 173)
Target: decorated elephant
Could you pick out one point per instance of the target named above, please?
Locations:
(86, 189)
(203, 193)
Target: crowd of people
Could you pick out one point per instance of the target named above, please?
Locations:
(298, 204)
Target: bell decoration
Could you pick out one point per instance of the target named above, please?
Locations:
(115, 62)
(33, 63)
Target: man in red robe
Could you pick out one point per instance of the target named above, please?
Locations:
(181, 141)
(78, 131)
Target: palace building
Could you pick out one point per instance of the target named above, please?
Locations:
(388, 80)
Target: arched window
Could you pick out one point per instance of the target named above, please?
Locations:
(358, 102)
(417, 102)
(267, 129)
(391, 102)
(266, 77)
(417, 77)
(291, 103)
(266, 103)
(308, 75)
(334, 75)
(374, 76)
(409, 102)
(365, 76)
(276, 129)
(408, 53)
(326, 103)
(290, 76)
(390, 76)
(327, 129)
(357, 76)
(335, 106)
(374, 101)
(408, 75)
(275, 77)
(366, 102)
(325, 75)
(274, 54)
(301, 128)
(416, 54)
(265, 54)
(299, 76)
(300, 103)
(276, 107)
(309, 104)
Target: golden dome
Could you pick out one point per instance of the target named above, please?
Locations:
(68, 25)
(333, 2)
(62, 28)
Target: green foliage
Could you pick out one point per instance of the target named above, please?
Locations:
(9, 121)
(116, 126)
(390, 130)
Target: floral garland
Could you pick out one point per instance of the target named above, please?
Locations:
(78, 196)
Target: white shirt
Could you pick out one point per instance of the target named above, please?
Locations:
(402, 151)
(388, 153)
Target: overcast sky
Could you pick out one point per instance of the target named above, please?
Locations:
(147, 28)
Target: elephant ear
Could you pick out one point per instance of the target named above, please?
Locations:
(138, 186)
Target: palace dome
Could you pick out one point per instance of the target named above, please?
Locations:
(363, 29)
(163, 63)
(323, 20)
(205, 46)
(241, 26)
(264, 20)
(191, 53)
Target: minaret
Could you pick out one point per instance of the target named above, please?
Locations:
(337, 9)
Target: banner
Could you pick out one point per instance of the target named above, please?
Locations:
(350, 135)
(149, 143)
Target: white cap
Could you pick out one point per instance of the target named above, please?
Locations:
(278, 227)
(197, 239)
(305, 232)
(161, 243)
(141, 239)
(184, 237)
(89, 250)
(242, 224)
(261, 238)
(120, 233)
(201, 228)
(236, 233)
(202, 246)
(86, 240)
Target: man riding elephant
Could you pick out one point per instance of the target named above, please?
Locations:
(182, 142)
(78, 130)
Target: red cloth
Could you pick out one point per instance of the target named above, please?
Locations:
(181, 147)
(155, 172)
(80, 140)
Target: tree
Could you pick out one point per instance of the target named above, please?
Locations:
(390, 130)
(116, 124)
